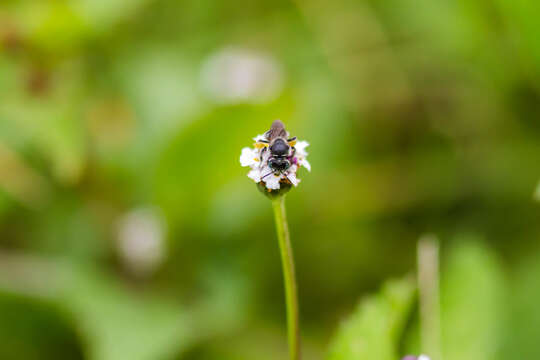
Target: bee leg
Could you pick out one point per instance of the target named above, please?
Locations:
(287, 177)
(262, 153)
(293, 152)
(292, 141)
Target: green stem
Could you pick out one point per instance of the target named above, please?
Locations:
(291, 297)
(428, 287)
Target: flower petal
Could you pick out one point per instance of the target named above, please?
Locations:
(249, 157)
(255, 175)
(293, 169)
(303, 162)
(293, 179)
(301, 148)
(272, 181)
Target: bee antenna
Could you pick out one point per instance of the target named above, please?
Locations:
(267, 175)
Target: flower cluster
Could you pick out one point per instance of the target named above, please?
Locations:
(257, 158)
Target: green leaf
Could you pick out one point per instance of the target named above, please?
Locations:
(375, 328)
(118, 325)
(472, 303)
(113, 321)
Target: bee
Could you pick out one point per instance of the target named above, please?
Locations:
(280, 147)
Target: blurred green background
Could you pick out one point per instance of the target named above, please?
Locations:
(128, 229)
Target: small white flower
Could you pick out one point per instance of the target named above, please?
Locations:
(257, 158)
(301, 154)
(423, 357)
(272, 181)
(249, 157)
(293, 179)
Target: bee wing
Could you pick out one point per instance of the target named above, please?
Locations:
(276, 130)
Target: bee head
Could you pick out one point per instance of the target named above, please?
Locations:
(279, 164)
(279, 147)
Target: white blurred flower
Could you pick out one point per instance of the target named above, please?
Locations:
(141, 240)
(411, 357)
(257, 159)
(235, 75)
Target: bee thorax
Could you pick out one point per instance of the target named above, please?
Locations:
(279, 147)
